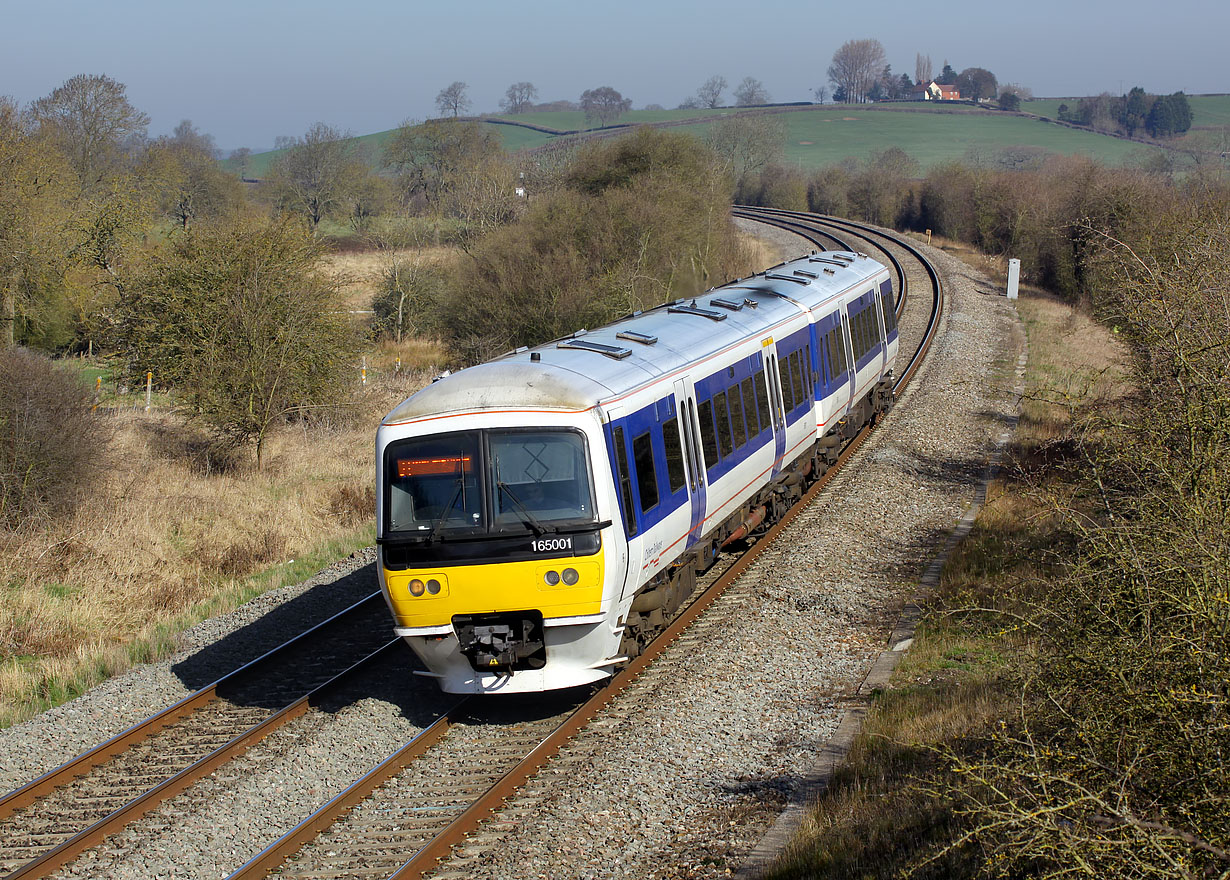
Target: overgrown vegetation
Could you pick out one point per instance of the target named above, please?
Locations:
(1082, 729)
(240, 322)
(53, 446)
(630, 224)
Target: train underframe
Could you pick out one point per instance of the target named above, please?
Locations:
(657, 602)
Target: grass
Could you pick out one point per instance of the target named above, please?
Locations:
(828, 134)
(176, 534)
(879, 818)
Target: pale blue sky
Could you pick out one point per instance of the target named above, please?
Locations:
(246, 72)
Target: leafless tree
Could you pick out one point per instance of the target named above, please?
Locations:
(92, 119)
(820, 93)
(518, 97)
(856, 67)
(922, 69)
(710, 94)
(748, 143)
(751, 92)
(604, 104)
(452, 100)
(317, 174)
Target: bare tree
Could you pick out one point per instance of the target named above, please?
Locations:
(452, 100)
(710, 94)
(751, 92)
(93, 121)
(820, 93)
(518, 97)
(922, 69)
(856, 67)
(314, 177)
(748, 143)
(604, 104)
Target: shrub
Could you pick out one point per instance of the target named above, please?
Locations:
(54, 446)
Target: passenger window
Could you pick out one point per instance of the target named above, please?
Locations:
(625, 485)
(749, 408)
(762, 401)
(808, 378)
(783, 375)
(723, 423)
(736, 416)
(708, 439)
(646, 478)
(674, 454)
(796, 376)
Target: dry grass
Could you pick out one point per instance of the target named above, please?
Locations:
(164, 542)
(358, 273)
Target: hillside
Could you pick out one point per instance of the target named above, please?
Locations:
(823, 135)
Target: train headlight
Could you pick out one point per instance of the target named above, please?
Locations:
(552, 577)
(417, 587)
(433, 586)
(571, 576)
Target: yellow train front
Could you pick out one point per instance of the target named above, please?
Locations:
(493, 539)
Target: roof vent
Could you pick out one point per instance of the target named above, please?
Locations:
(778, 276)
(803, 273)
(726, 304)
(634, 336)
(616, 352)
(693, 309)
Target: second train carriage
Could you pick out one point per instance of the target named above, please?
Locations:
(541, 514)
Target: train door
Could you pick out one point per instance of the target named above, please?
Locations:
(773, 378)
(622, 557)
(881, 329)
(685, 396)
(844, 323)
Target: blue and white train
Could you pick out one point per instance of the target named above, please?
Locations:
(540, 515)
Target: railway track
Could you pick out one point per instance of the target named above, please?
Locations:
(388, 840)
(404, 816)
(51, 820)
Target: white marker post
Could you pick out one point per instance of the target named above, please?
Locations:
(1014, 277)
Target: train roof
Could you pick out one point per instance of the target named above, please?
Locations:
(595, 366)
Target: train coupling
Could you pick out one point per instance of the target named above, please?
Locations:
(504, 641)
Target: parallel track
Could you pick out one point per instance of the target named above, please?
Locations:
(376, 831)
(50, 821)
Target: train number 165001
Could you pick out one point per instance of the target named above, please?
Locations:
(546, 545)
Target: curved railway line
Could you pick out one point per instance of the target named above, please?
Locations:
(402, 818)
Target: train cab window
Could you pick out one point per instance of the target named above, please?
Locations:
(625, 484)
(646, 477)
(674, 454)
(783, 375)
(749, 407)
(736, 416)
(708, 439)
(540, 476)
(762, 401)
(434, 484)
(721, 410)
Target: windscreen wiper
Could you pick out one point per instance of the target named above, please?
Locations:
(532, 521)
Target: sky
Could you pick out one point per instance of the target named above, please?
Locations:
(247, 71)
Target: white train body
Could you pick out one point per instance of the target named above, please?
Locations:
(540, 514)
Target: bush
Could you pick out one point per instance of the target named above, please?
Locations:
(639, 220)
(54, 446)
(241, 323)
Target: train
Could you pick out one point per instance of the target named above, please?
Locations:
(542, 515)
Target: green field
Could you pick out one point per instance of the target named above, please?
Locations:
(1207, 110)
(825, 135)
